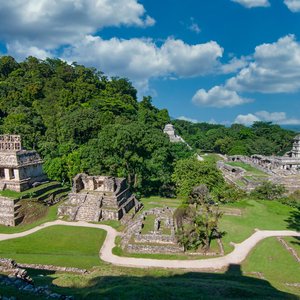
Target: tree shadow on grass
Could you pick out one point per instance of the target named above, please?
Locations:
(294, 224)
(230, 285)
(294, 220)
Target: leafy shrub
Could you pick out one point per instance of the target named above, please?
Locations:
(269, 191)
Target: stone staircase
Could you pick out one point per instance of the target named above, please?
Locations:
(89, 210)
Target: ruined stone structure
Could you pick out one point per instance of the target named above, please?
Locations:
(95, 198)
(290, 162)
(9, 211)
(19, 168)
(295, 153)
(159, 240)
(278, 169)
(174, 138)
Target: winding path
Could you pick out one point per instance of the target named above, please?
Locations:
(239, 253)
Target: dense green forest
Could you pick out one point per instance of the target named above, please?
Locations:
(80, 120)
(261, 138)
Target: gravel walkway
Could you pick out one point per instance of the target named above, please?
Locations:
(239, 253)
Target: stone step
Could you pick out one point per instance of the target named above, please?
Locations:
(88, 214)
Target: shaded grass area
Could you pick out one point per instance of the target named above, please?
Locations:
(275, 264)
(57, 245)
(110, 282)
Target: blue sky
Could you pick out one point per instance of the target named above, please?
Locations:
(219, 61)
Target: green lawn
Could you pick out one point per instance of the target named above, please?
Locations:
(268, 215)
(275, 264)
(155, 201)
(57, 245)
(248, 168)
(79, 247)
(148, 224)
(211, 157)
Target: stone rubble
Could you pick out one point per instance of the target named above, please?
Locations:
(19, 279)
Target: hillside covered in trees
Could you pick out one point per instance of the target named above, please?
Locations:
(261, 138)
(79, 120)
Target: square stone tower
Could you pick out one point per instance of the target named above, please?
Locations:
(296, 147)
(19, 168)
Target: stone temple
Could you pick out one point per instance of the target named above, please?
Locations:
(170, 131)
(95, 198)
(287, 164)
(175, 138)
(19, 168)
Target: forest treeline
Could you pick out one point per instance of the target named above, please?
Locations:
(80, 120)
(261, 138)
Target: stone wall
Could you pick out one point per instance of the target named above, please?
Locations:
(154, 238)
(154, 249)
(8, 211)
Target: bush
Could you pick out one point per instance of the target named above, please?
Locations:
(228, 193)
(292, 200)
(269, 191)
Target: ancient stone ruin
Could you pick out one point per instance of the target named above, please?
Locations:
(290, 162)
(159, 239)
(9, 211)
(278, 169)
(95, 198)
(174, 138)
(19, 168)
(153, 232)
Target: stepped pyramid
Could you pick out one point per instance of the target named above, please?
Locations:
(95, 198)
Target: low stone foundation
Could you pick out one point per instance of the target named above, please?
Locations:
(151, 249)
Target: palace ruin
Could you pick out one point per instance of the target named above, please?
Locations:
(95, 198)
(278, 169)
(287, 164)
(19, 168)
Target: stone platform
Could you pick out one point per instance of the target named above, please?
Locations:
(95, 198)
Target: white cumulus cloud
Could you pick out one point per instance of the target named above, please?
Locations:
(219, 96)
(246, 119)
(183, 118)
(142, 59)
(275, 117)
(49, 23)
(275, 69)
(253, 3)
(293, 5)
